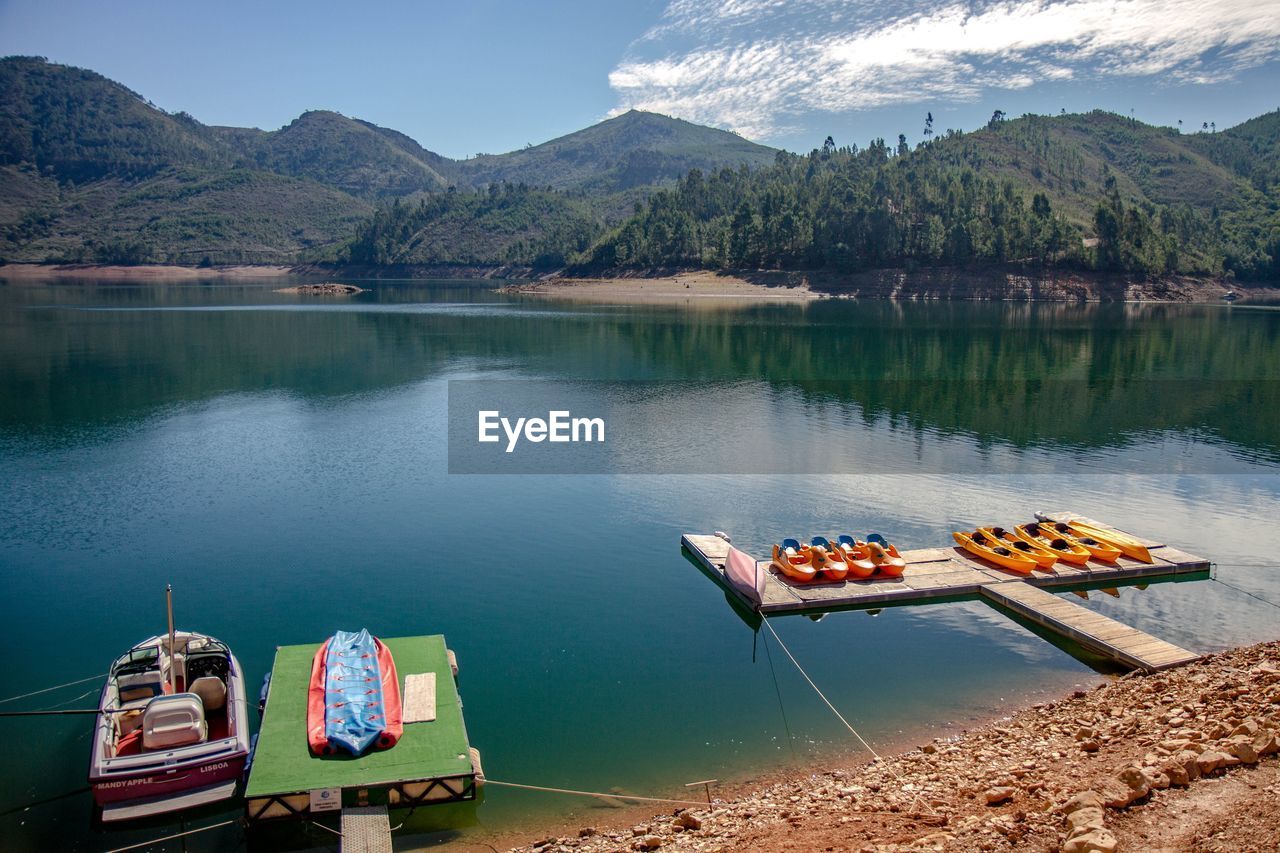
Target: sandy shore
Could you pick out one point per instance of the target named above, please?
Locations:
(159, 272)
(1179, 760)
(924, 284)
(680, 287)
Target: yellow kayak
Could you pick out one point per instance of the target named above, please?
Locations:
(989, 549)
(1047, 538)
(1099, 549)
(1043, 556)
(1128, 546)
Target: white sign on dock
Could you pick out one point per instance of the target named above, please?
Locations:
(326, 800)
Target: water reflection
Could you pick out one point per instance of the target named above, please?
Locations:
(286, 471)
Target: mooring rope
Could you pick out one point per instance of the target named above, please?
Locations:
(791, 741)
(840, 716)
(821, 695)
(176, 835)
(489, 781)
(49, 689)
(1245, 591)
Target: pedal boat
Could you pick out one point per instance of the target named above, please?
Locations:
(885, 555)
(1068, 552)
(834, 565)
(1044, 557)
(172, 731)
(856, 555)
(990, 550)
(794, 561)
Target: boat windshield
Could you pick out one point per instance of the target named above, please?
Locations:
(137, 660)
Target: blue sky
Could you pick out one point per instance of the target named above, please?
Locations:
(480, 76)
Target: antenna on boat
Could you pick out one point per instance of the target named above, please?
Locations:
(173, 671)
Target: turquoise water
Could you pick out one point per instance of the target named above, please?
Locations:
(283, 463)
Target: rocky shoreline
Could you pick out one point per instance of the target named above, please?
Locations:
(328, 288)
(1178, 760)
(1003, 284)
(1013, 282)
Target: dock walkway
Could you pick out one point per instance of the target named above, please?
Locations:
(1102, 634)
(950, 574)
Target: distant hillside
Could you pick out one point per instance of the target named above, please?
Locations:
(78, 126)
(631, 150)
(1095, 191)
(90, 171)
(353, 156)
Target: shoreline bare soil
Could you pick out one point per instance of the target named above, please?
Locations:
(929, 284)
(710, 287)
(1184, 759)
(117, 272)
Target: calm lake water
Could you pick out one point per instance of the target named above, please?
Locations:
(282, 461)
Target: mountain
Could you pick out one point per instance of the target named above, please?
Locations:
(1094, 191)
(89, 170)
(356, 157)
(77, 126)
(631, 150)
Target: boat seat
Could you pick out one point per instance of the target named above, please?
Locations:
(211, 690)
(141, 685)
(171, 721)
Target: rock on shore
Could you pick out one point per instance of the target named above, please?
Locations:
(1182, 759)
(329, 288)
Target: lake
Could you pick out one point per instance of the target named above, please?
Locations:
(284, 462)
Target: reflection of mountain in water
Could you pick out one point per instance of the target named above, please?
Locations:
(1028, 375)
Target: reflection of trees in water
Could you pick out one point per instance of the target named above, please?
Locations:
(1022, 373)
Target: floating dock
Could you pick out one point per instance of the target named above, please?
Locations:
(433, 763)
(1096, 632)
(952, 574)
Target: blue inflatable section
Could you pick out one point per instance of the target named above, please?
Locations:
(353, 692)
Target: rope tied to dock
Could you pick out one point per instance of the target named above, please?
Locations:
(840, 716)
(821, 695)
(50, 689)
(489, 781)
(1214, 577)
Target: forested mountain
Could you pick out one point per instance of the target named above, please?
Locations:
(353, 156)
(633, 149)
(1094, 191)
(90, 171)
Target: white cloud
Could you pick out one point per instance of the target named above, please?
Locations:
(751, 65)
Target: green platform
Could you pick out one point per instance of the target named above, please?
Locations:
(284, 771)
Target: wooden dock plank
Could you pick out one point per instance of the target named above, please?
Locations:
(1100, 633)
